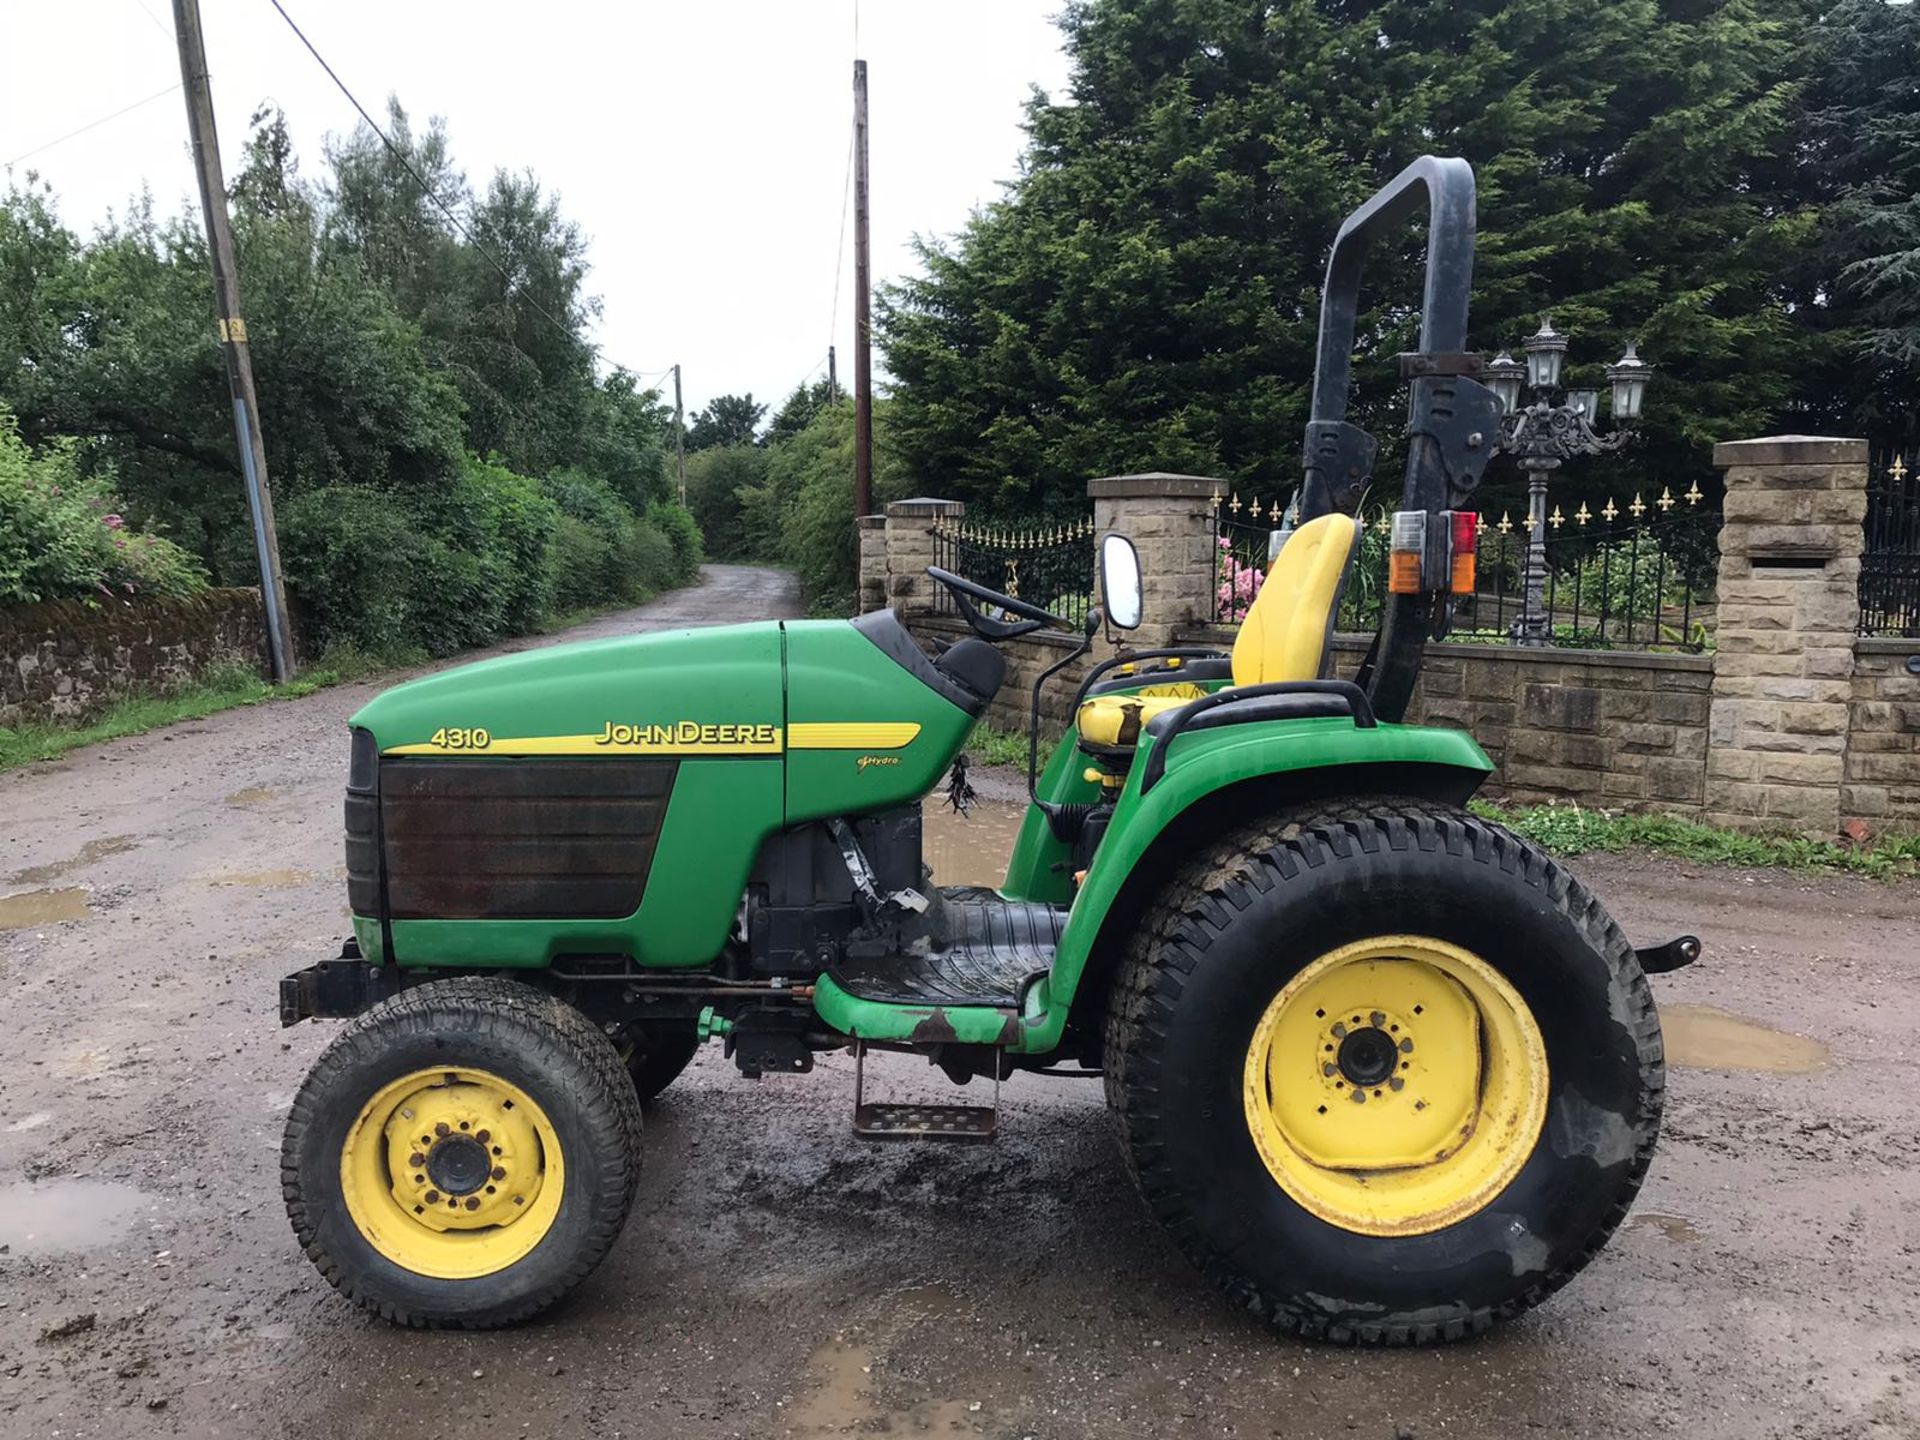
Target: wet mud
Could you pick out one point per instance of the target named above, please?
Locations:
(780, 1278)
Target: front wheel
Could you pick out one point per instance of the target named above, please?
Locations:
(462, 1154)
(1387, 1072)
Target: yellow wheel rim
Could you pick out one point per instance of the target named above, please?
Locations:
(452, 1173)
(1396, 1085)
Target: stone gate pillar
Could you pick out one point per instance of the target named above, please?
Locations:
(1169, 518)
(1789, 607)
(908, 543)
(872, 531)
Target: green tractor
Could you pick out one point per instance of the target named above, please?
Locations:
(1386, 1071)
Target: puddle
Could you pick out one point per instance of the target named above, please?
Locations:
(1674, 1227)
(46, 1217)
(970, 849)
(253, 795)
(1702, 1037)
(88, 853)
(262, 879)
(843, 1399)
(42, 907)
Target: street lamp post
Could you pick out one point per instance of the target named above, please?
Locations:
(1543, 435)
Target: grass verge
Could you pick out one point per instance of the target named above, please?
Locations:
(220, 687)
(1572, 830)
(990, 745)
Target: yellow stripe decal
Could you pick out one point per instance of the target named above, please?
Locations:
(684, 738)
(849, 735)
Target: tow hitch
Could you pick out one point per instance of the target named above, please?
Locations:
(1676, 954)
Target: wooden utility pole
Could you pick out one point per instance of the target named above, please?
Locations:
(833, 377)
(679, 437)
(232, 328)
(862, 306)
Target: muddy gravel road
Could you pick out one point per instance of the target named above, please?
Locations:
(779, 1278)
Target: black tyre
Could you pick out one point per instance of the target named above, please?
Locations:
(661, 1050)
(1386, 1071)
(462, 1155)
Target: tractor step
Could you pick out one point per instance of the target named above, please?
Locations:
(875, 1121)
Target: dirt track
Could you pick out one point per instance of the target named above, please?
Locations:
(778, 1277)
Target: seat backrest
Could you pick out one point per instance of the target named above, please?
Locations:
(1287, 631)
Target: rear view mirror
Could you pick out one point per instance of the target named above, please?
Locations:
(1120, 581)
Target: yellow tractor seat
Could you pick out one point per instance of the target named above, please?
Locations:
(1284, 637)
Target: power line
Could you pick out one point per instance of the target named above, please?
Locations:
(840, 250)
(163, 29)
(93, 124)
(406, 163)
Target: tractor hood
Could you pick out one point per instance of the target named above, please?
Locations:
(677, 693)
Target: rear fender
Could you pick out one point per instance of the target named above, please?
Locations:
(1214, 780)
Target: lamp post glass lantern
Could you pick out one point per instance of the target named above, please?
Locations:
(1504, 376)
(1628, 376)
(1545, 434)
(1546, 348)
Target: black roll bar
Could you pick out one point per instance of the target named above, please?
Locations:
(1452, 419)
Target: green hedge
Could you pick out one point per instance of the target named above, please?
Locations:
(488, 554)
(62, 536)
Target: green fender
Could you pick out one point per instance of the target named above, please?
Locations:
(1329, 756)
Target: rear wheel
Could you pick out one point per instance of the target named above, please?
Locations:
(462, 1155)
(1386, 1071)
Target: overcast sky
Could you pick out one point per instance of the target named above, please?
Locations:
(701, 146)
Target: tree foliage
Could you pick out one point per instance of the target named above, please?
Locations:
(390, 351)
(729, 420)
(1144, 295)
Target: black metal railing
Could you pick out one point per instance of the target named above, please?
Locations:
(1046, 563)
(1890, 565)
(1638, 575)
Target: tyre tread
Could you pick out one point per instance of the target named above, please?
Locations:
(1173, 943)
(509, 1010)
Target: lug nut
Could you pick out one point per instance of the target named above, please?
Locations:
(499, 1172)
(473, 1202)
(416, 1159)
(433, 1197)
(483, 1136)
(443, 1129)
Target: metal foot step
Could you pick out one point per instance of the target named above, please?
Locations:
(876, 1121)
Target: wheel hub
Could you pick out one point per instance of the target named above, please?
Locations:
(459, 1164)
(1367, 1057)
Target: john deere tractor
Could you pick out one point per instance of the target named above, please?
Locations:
(1386, 1071)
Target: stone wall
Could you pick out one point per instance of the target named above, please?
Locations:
(70, 659)
(1882, 784)
(1792, 723)
(1613, 728)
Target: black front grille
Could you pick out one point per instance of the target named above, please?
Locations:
(517, 839)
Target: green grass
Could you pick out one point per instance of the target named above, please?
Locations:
(1572, 830)
(221, 687)
(990, 745)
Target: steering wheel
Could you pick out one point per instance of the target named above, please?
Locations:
(988, 627)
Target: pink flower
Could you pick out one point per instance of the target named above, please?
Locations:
(113, 522)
